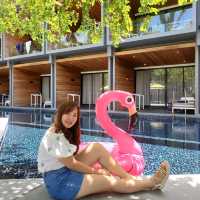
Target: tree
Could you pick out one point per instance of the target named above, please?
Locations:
(28, 18)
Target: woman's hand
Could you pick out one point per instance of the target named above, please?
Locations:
(103, 172)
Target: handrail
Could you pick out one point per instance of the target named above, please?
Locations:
(140, 100)
(4, 98)
(3, 130)
(74, 96)
(36, 99)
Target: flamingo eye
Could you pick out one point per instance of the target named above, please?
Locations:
(129, 100)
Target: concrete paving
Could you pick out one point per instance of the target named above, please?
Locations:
(12, 188)
(183, 187)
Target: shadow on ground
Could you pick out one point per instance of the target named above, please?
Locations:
(184, 187)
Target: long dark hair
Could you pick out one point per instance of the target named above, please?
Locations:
(72, 134)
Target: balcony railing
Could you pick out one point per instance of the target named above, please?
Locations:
(166, 21)
(74, 39)
(173, 20)
(15, 46)
(22, 48)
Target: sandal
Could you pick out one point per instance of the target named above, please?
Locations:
(164, 170)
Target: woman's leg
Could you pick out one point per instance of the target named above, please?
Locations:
(93, 183)
(96, 152)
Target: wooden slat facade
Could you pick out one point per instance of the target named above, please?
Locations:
(124, 79)
(68, 80)
(23, 85)
(27, 80)
(124, 76)
(87, 62)
(158, 56)
(4, 80)
(4, 85)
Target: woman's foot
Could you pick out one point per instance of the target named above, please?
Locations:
(161, 175)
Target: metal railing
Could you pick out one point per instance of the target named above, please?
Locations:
(139, 100)
(4, 99)
(23, 48)
(36, 99)
(74, 96)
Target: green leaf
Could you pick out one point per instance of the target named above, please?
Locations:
(22, 17)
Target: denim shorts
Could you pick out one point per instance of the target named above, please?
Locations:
(63, 183)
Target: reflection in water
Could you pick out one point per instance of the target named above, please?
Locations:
(47, 117)
(153, 127)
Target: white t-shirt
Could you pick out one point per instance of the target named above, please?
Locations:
(52, 147)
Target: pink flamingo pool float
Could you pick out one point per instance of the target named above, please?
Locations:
(126, 151)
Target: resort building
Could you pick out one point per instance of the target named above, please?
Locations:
(160, 66)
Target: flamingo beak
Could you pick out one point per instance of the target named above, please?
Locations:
(132, 111)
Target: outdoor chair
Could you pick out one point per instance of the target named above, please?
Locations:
(7, 103)
(185, 103)
(47, 104)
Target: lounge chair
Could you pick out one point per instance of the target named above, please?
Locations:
(47, 104)
(47, 117)
(185, 103)
(7, 103)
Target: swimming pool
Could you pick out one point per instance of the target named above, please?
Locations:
(176, 141)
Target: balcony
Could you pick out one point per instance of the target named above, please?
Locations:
(21, 46)
(75, 40)
(178, 19)
(24, 46)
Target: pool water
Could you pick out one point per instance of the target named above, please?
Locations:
(160, 139)
(175, 129)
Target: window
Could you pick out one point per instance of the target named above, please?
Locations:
(162, 86)
(93, 85)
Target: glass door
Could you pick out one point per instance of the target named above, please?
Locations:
(189, 81)
(97, 86)
(46, 88)
(86, 89)
(174, 84)
(157, 87)
(162, 86)
(92, 86)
